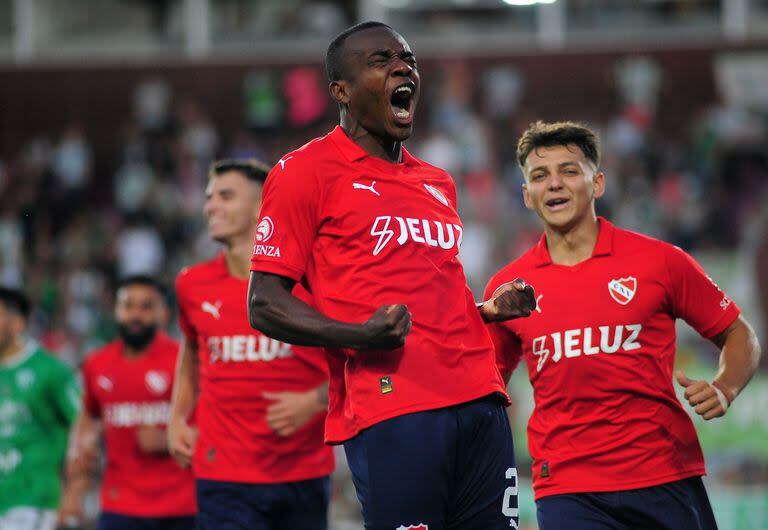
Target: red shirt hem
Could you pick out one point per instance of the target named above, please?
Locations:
(540, 493)
(344, 435)
(245, 478)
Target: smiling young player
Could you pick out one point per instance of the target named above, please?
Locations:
(259, 459)
(612, 446)
(374, 232)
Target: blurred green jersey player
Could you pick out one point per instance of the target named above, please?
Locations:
(39, 399)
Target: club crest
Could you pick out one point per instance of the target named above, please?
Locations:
(157, 382)
(623, 290)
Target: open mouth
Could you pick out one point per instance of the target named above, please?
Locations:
(402, 103)
(557, 203)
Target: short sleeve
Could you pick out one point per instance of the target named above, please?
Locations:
(184, 321)
(289, 221)
(66, 394)
(90, 403)
(507, 344)
(695, 297)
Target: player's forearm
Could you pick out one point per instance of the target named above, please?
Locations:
(739, 357)
(274, 311)
(185, 383)
(83, 449)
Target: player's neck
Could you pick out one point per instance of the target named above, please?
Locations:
(11, 350)
(384, 148)
(237, 256)
(572, 245)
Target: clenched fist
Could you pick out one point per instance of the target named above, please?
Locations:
(387, 328)
(513, 299)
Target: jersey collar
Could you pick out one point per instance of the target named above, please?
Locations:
(354, 152)
(30, 347)
(603, 247)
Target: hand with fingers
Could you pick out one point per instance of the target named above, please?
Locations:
(387, 328)
(289, 411)
(181, 441)
(513, 299)
(707, 399)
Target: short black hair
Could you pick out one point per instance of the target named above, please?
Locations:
(333, 57)
(142, 279)
(543, 134)
(251, 169)
(15, 301)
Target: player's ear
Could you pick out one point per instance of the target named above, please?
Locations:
(598, 184)
(339, 91)
(527, 197)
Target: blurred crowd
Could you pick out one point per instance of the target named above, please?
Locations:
(67, 231)
(70, 224)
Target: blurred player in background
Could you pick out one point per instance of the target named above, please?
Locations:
(128, 385)
(612, 445)
(259, 458)
(375, 233)
(39, 400)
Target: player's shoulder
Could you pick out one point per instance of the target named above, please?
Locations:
(629, 241)
(516, 268)
(202, 271)
(102, 355)
(45, 360)
(306, 156)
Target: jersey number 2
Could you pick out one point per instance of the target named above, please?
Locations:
(509, 507)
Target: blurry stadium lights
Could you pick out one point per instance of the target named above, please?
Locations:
(528, 2)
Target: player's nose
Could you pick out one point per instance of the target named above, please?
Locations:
(402, 68)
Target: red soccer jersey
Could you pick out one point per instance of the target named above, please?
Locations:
(600, 350)
(125, 393)
(361, 232)
(238, 364)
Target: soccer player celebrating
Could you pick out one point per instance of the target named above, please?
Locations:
(612, 446)
(374, 233)
(39, 400)
(128, 386)
(259, 460)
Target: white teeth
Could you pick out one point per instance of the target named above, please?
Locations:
(404, 114)
(405, 89)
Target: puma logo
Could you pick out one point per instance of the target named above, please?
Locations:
(358, 186)
(212, 309)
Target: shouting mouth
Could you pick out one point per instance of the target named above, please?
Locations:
(402, 102)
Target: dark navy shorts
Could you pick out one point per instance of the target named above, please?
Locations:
(673, 506)
(286, 506)
(444, 469)
(115, 521)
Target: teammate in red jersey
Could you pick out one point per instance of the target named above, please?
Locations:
(374, 233)
(127, 394)
(259, 460)
(600, 349)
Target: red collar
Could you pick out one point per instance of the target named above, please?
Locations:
(603, 247)
(354, 152)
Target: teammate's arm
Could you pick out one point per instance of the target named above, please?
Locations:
(82, 459)
(289, 411)
(273, 310)
(181, 435)
(739, 358)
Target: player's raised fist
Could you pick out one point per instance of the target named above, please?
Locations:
(705, 398)
(513, 299)
(387, 328)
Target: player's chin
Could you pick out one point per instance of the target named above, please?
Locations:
(400, 132)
